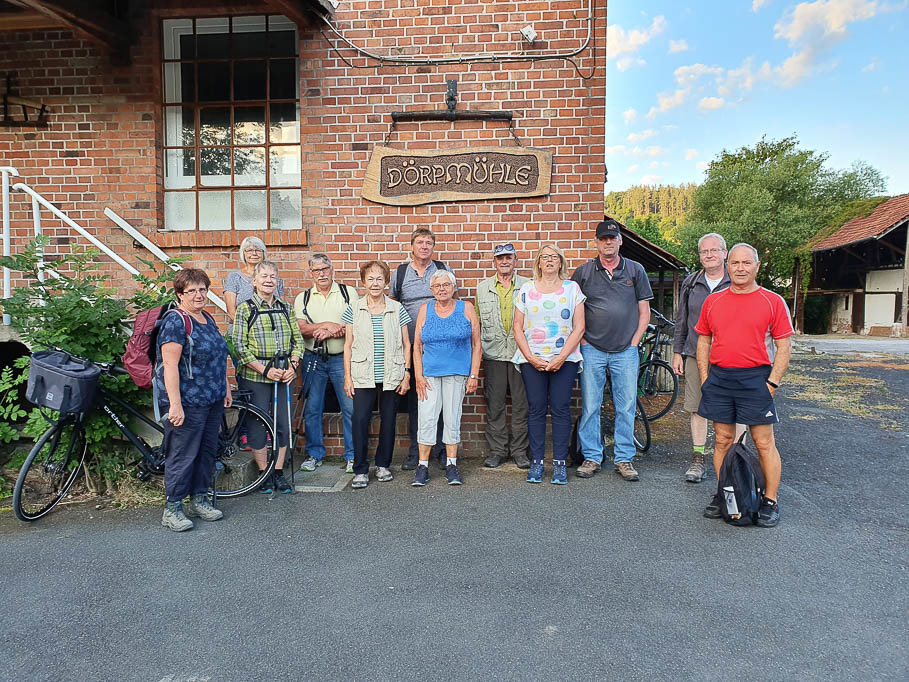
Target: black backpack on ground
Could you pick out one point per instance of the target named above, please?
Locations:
(741, 471)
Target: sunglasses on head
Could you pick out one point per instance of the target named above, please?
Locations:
(503, 248)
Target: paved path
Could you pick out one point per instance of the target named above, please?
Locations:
(497, 579)
(841, 343)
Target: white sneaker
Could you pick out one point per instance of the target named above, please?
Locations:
(383, 474)
(360, 481)
(310, 464)
(348, 466)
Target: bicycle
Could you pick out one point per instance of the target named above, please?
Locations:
(54, 462)
(658, 385)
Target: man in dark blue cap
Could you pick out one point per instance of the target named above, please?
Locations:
(617, 312)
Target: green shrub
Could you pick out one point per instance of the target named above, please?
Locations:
(76, 309)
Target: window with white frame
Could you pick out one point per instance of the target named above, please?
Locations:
(231, 124)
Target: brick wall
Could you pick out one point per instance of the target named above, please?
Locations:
(102, 146)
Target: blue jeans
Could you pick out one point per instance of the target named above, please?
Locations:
(549, 392)
(325, 369)
(623, 373)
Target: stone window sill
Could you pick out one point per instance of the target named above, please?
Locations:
(217, 239)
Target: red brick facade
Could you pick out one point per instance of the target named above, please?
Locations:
(102, 147)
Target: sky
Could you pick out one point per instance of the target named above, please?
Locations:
(687, 80)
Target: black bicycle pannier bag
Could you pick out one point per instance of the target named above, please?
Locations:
(60, 382)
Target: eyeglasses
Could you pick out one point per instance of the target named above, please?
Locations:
(442, 285)
(253, 250)
(503, 249)
(711, 252)
(550, 256)
(318, 272)
(193, 292)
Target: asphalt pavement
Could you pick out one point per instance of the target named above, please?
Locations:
(496, 579)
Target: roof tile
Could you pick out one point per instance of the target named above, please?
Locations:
(882, 219)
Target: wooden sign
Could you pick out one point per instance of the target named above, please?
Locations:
(413, 177)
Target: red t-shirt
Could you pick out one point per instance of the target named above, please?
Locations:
(743, 326)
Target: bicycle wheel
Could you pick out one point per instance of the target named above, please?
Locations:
(236, 471)
(641, 433)
(658, 388)
(641, 428)
(50, 468)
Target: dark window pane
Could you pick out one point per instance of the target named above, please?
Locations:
(249, 125)
(179, 82)
(249, 45)
(214, 126)
(187, 46)
(284, 123)
(249, 80)
(212, 46)
(215, 166)
(283, 79)
(282, 43)
(214, 82)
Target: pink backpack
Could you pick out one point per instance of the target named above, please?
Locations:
(141, 349)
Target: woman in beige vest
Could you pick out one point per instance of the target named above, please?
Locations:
(376, 363)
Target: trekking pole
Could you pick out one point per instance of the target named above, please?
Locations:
(282, 361)
(274, 415)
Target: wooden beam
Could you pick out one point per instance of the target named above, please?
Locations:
(27, 21)
(299, 11)
(86, 21)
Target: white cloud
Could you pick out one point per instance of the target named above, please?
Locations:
(620, 42)
(873, 65)
(643, 135)
(668, 100)
(651, 180)
(691, 154)
(670, 127)
(654, 151)
(711, 103)
(678, 46)
(703, 165)
(688, 76)
(633, 168)
(615, 149)
(741, 81)
(813, 28)
(630, 116)
(757, 4)
(625, 63)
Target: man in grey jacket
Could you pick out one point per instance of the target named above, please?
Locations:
(696, 287)
(495, 305)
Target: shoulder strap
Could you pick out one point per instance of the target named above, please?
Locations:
(440, 265)
(306, 296)
(253, 313)
(344, 293)
(686, 290)
(400, 273)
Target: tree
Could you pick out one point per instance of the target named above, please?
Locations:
(776, 197)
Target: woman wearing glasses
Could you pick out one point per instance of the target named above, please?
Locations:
(238, 286)
(548, 326)
(446, 361)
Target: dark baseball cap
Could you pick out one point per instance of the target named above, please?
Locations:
(608, 228)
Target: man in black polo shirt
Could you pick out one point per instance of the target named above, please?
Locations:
(617, 311)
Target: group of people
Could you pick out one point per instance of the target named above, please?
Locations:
(409, 335)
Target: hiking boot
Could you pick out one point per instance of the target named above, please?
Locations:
(268, 485)
(452, 474)
(383, 474)
(421, 476)
(348, 466)
(360, 481)
(535, 475)
(200, 506)
(521, 460)
(712, 511)
(696, 472)
(493, 461)
(411, 462)
(559, 472)
(768, 514)
(626, 471)
(244, 443)
(310, 464)
(174, 518)
(282, 485)
(587, 469)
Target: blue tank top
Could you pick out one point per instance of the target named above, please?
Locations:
(446, 342)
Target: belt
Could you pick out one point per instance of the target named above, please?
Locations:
(320, 354)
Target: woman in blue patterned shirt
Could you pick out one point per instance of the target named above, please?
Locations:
(194, 395)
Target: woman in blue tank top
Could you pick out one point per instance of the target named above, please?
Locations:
(446, 362)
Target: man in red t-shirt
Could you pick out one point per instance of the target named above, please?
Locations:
(743, 351)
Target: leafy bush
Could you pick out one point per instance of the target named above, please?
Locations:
(75, 308)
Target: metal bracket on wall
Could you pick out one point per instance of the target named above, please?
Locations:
(10, 98)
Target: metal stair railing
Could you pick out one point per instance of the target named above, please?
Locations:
(39, 202)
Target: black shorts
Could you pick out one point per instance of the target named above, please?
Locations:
(738, 396)
(263, 397)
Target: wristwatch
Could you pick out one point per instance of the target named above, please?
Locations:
(773, 384)
(473, 376)
(408, 370)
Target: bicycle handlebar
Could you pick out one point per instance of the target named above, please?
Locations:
(661, 318)
(105, 367)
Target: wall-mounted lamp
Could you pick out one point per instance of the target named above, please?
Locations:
(529, 34)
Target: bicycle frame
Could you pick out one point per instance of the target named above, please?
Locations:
(104, 398)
